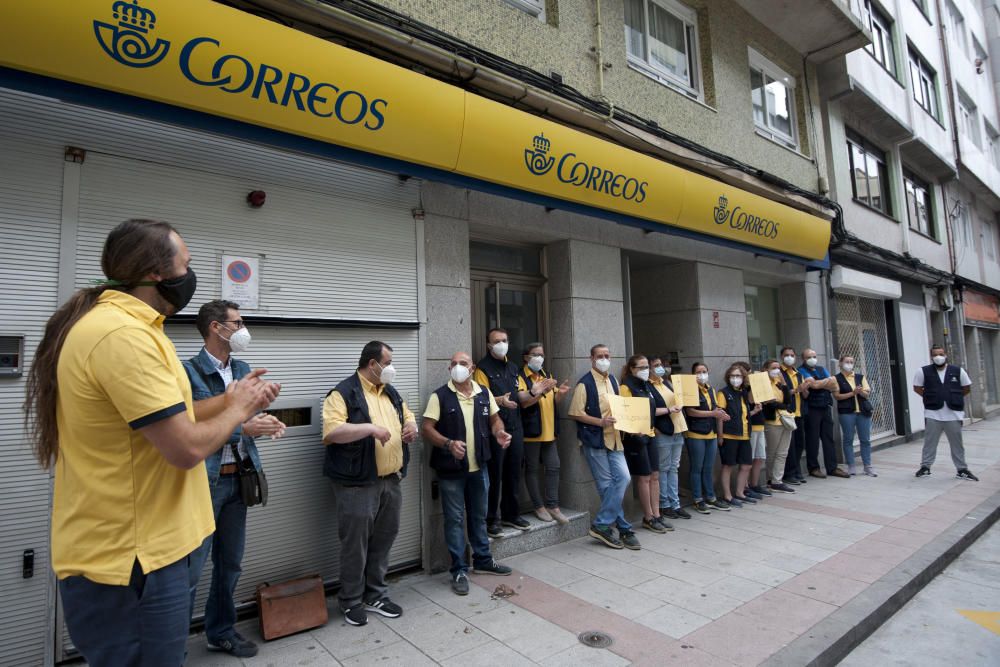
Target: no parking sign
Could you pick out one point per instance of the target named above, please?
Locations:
(241, 281)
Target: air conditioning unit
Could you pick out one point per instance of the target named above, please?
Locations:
(947, 300)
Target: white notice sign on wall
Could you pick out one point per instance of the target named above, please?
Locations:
(241, 281)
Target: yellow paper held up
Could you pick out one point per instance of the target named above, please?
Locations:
(761, 387)
(631, 414)
(686, 389)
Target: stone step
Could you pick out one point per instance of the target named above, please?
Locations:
(540, 534)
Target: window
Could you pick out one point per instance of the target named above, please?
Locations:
(968, 119)
(989, 238)
(922, 6)
(534, 7)
(773, 93)
(993, 144)
(956, 26)
(881, 48)
(919, 208)
(923, 81)
(963, 230)
(978, 51)
(661, 37)
(869, 173)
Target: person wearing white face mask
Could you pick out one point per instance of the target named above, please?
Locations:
(541, 427)
(800, 390)
(211, 371)
(943, 388)
(641, 454)
(818, 420)
(668, 439)
(734, 435)
(855, 413)
(367, 430)
(700, 439)
(776, 433)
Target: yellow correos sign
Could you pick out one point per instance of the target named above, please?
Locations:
(207, 57)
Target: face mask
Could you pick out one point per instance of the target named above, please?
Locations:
(660, 370)
(736, 381)
(774, 372)
(602, 365)
(239, 340)
(789, 360)
(535, 363)
(178, 291)
(939, 360)
(642, 374)
(847, 368)
(500, 349)
(811, 362)
(702, 378)
(460, 373)
(387, 375)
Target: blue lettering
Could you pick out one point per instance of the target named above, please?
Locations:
(595, 173)
(338, 107)
(616, 185)
(185, 61)
(315, 97)
(263, 82)
(642, 193)
(377, 114)
(247, 74)
(608, 175)
(634, 184)
(291, 89)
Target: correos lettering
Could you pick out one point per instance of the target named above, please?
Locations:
(577, 172)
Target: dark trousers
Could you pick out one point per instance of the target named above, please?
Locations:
(226, 547)
(796, 448)
(504, 469)
(819, 428)
(142, 624)
(367, 522)
(463, 501)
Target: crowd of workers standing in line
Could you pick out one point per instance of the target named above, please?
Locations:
(155, 460)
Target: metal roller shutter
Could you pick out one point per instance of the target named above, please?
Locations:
(861, 332)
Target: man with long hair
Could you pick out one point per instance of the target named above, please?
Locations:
(109, 407)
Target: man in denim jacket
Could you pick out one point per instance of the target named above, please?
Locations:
(210, 372)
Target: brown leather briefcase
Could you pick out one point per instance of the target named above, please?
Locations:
(291, 606)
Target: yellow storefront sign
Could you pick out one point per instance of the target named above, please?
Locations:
(207, 57)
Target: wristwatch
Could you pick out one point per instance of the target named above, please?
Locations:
(447, 443)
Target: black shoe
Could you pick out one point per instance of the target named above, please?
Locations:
(747, 499)
(356, 615)
(652, 525)
(681, 514)
(793, 481)
(517, 522)
(701, 507)
(753, 495)
(385, 607)
(761, 490)
(235, 646)
(492, 567)
(720, 504)
(494, 529)
(784, 488)
(802, 480)
(734, 502)
(665, 525)
(460, 584)
(604, 534)
(629, 540)
(965, 474)
(923, 472)
(668, 513)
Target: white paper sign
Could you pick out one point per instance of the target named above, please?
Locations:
(241, 281)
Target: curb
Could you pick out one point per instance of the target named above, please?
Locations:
(833, 638)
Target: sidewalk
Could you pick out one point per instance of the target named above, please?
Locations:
(794, 574)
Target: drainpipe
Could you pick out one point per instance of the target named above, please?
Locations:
(599, 55)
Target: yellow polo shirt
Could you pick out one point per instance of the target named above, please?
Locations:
(468, 405)
(793, 375)
(115, 498)
(546, 406)
(864, 385)
(388, 455)
(706, 391)
(578, 407)
(670, 398)
(720, 398)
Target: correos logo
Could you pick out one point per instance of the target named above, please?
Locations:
(741, 220)
(574, 171)
(203, 62)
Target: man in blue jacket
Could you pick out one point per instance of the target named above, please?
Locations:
(210, 372)
(818, 420)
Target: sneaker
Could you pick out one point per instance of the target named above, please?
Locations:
(543, 515)
(734, 502)
(516, 522)
(668, 513)
(747, 499)
(852, 470)
(653, 525)
(802, 480)
(837, 472)
(761, 491)
(235, 646)
(719, 504)
(665, 525)
(870, 471)
(356, 615)
(385, 607)
(629, 540)
(492, 567)
(604, 534)
(782, 487)
(793, 481)
(681, 514)
(965, 474)
(494, 529)
(701, 507)
(460, 584)
(753, 495)
(558, 516)
(923, 472)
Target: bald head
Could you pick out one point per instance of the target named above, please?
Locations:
(461, 359)
(808, 352)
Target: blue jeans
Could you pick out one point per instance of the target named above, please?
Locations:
(701, 457)
(612, 478)
(463, 501)
(669, 448)
(226, 546)
(849, 424)
(142, 624)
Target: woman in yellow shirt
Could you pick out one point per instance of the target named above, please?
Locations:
(699, 440)
(734, 434)
(855, 412)
(640, 452)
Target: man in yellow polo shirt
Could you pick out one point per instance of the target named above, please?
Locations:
(367, 429)
(131, 499)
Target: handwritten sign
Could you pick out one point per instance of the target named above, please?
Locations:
(686, 388)
(631, 414)
(761, 387)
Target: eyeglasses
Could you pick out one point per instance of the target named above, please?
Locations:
(238, 323)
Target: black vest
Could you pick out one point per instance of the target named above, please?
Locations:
(588, 434)
(787, 402)
(736, 408)
(818, 398)
(354, 462)
(793, 398)
(663, 423)
(937, 395)
(531, 416)
(641, 389)
(757, 419)
(503, 380)
(703, 425)
(451, 425)
(850, 405)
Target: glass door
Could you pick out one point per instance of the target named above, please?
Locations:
(511, 306)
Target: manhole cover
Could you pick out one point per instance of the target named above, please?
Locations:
(595, 639)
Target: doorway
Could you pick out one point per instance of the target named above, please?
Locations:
(508, 291)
